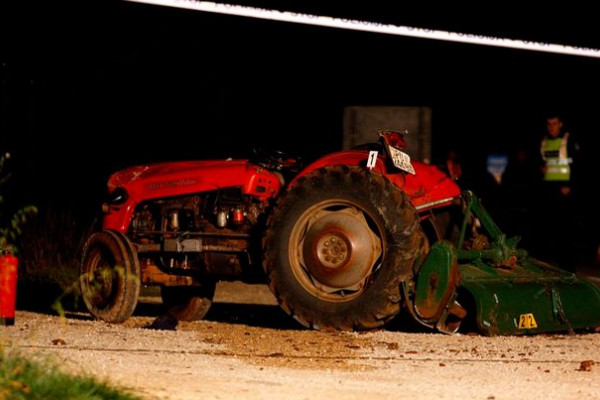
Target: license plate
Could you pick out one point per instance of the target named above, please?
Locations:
(401, 160)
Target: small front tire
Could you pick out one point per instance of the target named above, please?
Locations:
(110, 276)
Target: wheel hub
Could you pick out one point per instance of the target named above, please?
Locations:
(340, 249)
(332, 250)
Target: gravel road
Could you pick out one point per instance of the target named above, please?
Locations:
(247, 348)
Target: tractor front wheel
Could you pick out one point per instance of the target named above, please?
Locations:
(109, 276)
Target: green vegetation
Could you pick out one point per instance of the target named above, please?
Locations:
(48, 246)
(37, 246)
(49, 272)
(22, 379)
(10, 228)
(48, 243)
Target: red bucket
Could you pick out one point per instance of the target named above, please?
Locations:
(8, 288)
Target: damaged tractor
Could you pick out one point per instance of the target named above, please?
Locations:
(344, 243)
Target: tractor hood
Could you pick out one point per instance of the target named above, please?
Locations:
(167, 170)
(184, 177)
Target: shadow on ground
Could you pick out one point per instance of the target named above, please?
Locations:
(257, 315)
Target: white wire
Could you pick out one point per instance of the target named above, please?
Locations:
(368, 26)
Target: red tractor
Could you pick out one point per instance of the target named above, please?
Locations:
(344, 243)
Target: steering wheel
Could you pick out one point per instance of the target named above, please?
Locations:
(275, 160)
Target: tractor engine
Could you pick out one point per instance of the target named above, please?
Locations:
(201, 234)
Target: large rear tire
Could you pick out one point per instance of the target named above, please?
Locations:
(109, 276)
(339, 243)
(188, 303)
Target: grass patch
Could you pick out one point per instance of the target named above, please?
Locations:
(22, 379)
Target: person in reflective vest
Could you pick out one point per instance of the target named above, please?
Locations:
(556, 155)
(558, 221)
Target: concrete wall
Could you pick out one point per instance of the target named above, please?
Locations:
(361, 124)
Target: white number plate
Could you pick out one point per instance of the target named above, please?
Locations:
(401, 160)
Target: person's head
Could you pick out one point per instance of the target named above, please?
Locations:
(554, 125)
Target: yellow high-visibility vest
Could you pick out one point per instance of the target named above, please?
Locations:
(554, 153)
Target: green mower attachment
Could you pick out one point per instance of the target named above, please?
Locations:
(483, 277)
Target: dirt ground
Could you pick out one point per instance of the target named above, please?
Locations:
(247, 348)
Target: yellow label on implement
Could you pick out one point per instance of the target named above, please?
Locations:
(527, 321)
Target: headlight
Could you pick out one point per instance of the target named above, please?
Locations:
(117, 197)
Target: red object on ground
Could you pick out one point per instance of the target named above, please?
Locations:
(8, 288)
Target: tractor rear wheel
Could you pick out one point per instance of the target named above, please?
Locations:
(339, 243)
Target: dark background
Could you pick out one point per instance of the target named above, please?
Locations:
(91, 87)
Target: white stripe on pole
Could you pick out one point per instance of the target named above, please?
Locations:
(367, 26)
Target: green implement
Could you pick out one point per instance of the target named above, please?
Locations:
(482, 277)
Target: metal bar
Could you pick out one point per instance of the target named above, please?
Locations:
(203, 234)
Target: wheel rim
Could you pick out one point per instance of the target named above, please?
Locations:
(102, 278)
(338, 247)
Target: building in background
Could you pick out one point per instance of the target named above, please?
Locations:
(362, 122)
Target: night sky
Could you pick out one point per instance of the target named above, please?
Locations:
(91, 87)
